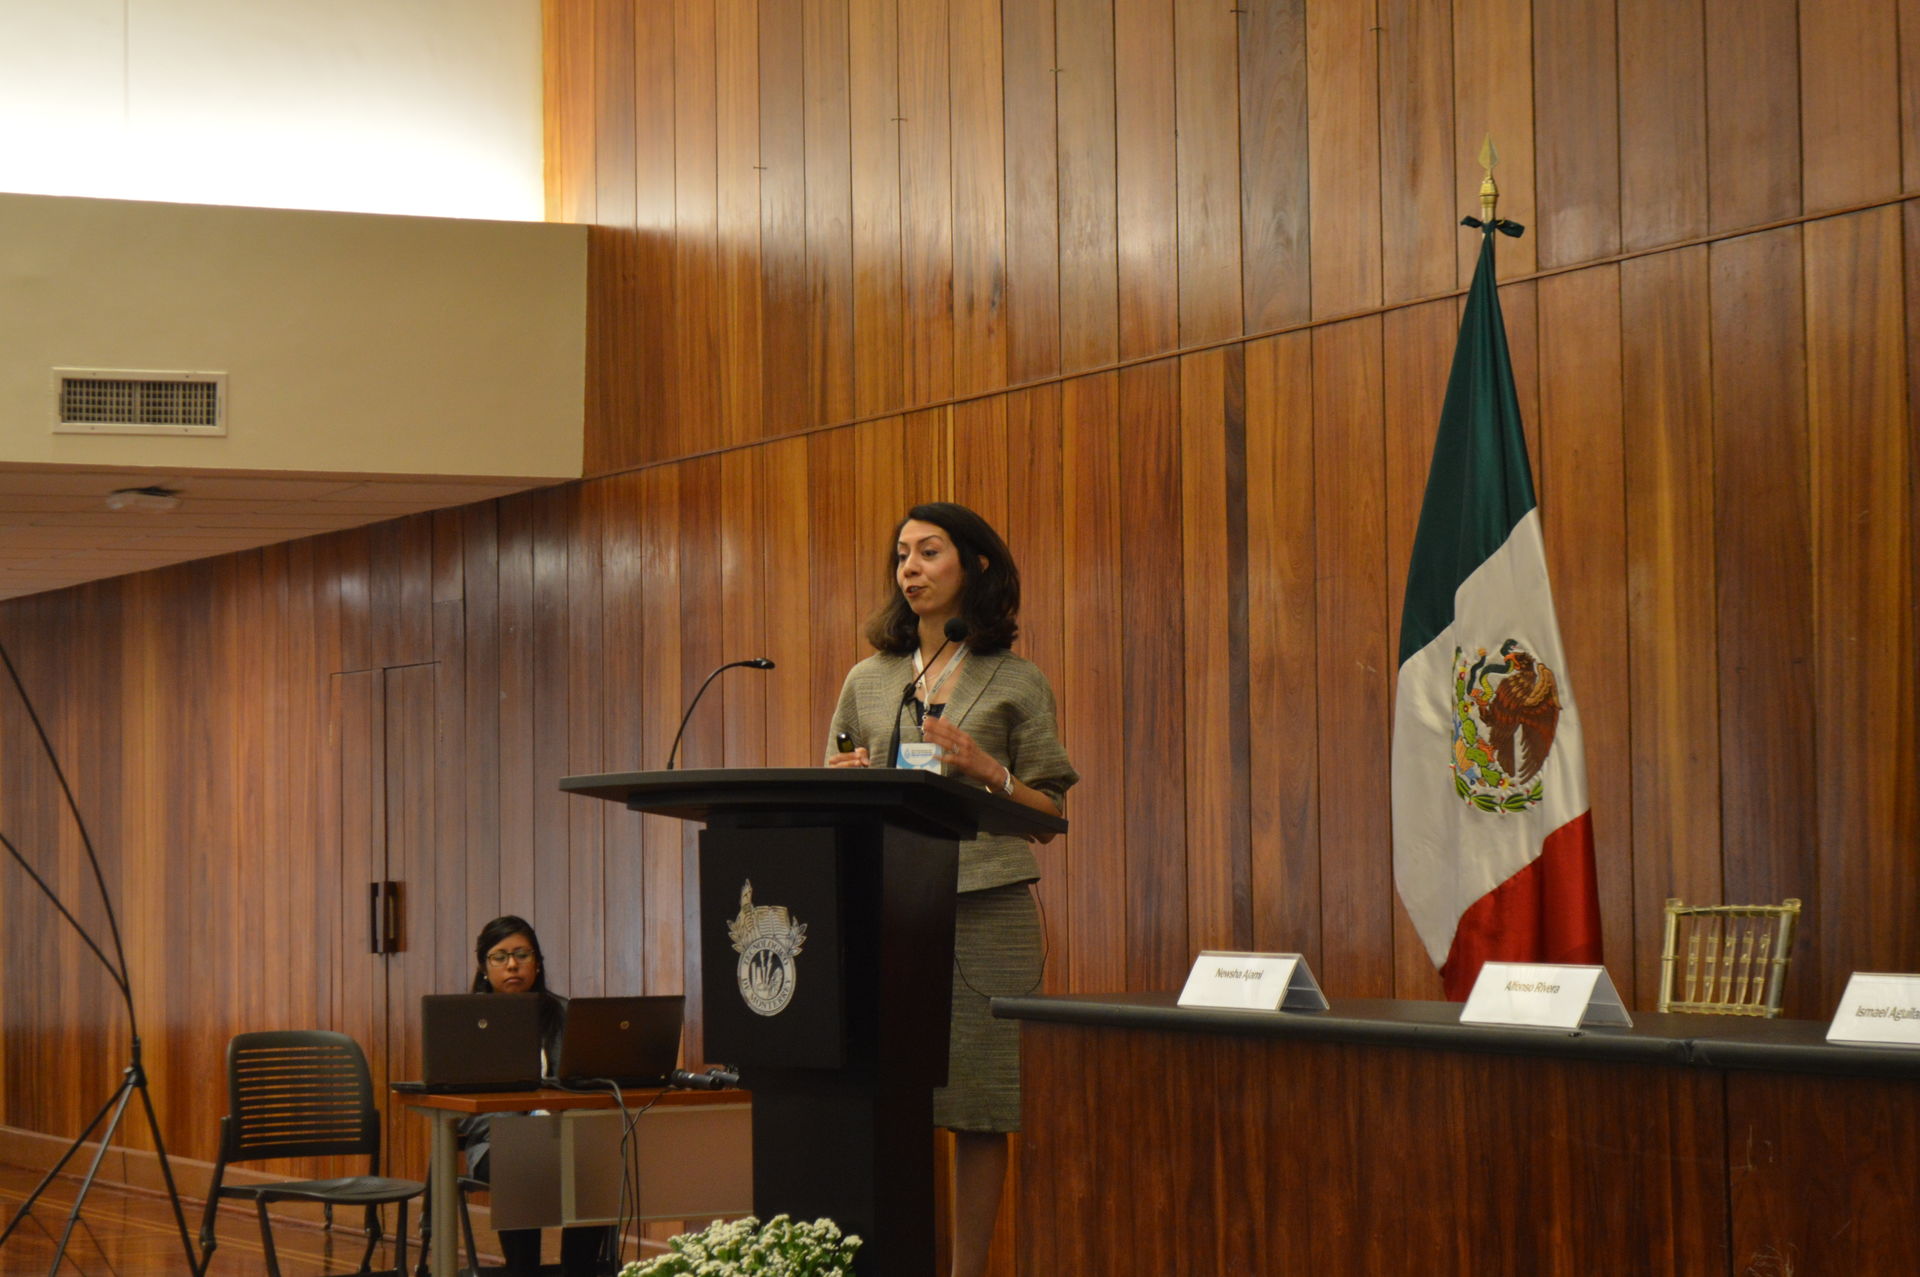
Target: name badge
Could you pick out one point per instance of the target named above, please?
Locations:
(1252, 982)
(920, 755)
(1543, 995)
(1878, 1009)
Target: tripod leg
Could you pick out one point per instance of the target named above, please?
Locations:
(60, 1165)
(196, 1264)
(86, 1185)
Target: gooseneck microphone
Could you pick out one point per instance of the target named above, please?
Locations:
(956, 632)
(757, 663)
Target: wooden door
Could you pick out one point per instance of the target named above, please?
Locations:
(383, 742)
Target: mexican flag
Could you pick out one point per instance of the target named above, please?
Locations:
(1492, 836)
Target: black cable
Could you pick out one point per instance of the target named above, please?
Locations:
(1046, 951)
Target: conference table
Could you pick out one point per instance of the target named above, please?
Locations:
(1384, 1136)
(444, 1112)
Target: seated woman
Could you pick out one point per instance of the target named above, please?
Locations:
(509, 960)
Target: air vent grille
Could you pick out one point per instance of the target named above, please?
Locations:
(94, 401)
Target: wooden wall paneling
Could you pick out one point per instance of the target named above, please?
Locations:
(829, 186)
(1769, 800)
(1753, 112)
(740, 720)
(1580, 472)
(1418, 216)
(693, 424)
(660, 677)
(1213, 589)
(1493, 94)
(980, 461)
(1850, 142)
(794, 732)
(625, 625)
(1419, 342)
(1672, 640)
(482, 644)
(550, 905)
(927, 455)
(979, 142)
(737, 137)
(1207, 169)
(408, 778)
(784, 280)
(204, 820)
(450, 850)
(1282, 657)
(926, 198)
(1033, 526)
(1909, 19)
(588, 709)
(1153, 709)
(1343, 140)
(846, 557)
(701, 623)
(879, 286)
(1146, 177)
(1355, 641)
(1663, 122)
(514, 609)
(1032, 190)
(1863, 511)
(1576, 131)
(352, 552)
(1090, 685)
(1089, 209)
(569, 110)
(243, 739)
(298, 819)
(614, 348)
(401, 603)
(655, 160)
(359, 738)
(1274, 197)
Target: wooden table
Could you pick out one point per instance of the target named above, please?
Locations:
(445, 1112)
(1384, 1136)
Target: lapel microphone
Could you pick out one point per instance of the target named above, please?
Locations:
(956, 632)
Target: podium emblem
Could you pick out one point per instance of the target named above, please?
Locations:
(767, 940)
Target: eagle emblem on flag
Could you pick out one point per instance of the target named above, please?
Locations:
(1505, 709)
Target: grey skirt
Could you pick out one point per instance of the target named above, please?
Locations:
(997, 953)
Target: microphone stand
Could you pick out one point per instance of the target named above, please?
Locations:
(134, 1077)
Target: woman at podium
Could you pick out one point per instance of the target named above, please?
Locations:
(979, 712)
(507, 954)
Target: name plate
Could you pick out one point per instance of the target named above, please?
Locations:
(1543, 995)
(1252, 982)
(1878, 1009)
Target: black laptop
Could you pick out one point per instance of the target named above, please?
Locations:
(478, 1042)
(633, 1042)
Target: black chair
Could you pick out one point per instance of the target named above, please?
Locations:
(304, 1093)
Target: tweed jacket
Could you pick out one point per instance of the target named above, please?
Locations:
(1001, 700)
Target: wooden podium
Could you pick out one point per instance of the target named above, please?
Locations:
(826, 951)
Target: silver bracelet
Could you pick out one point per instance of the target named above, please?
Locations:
(1006, 786)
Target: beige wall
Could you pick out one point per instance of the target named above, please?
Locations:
(353, 343)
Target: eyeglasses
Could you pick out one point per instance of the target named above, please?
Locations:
(501, 957)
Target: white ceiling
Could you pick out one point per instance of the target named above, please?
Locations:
(56, 529)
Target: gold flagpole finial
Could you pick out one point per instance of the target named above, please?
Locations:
(1489, 191)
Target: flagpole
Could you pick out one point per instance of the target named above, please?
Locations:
(1488, 222)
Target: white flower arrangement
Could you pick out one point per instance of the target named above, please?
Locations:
(739, 1247)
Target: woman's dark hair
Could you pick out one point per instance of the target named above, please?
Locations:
(989, 595)
(492, 934)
